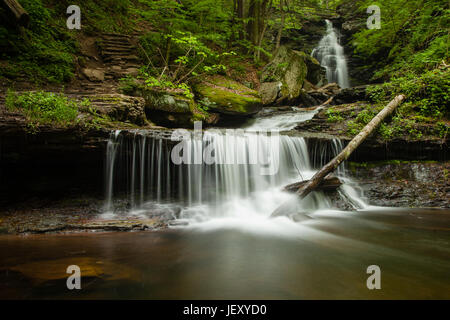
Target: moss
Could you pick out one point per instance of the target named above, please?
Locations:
(369, 165)
(233, 85)
(242, 101)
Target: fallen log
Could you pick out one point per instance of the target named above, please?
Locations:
(309, 186)
(16, 12)
(328, 184)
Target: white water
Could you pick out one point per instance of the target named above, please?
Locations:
(282, 122)
(330, 54)
(229, 193)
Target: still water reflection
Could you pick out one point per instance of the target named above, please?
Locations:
(325, 257)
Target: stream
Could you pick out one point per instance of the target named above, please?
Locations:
(323, 258)
(222, 243)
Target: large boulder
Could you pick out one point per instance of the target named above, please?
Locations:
(170, 108)
(316, 74)
(225, 96)
(289, 68)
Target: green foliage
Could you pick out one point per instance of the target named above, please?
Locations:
(429, 93)
(204, 104)
(42, 51)
(361, 120)
(45, 51)
(209, 20)
(334, 115)
(442, 129)
(181, 57)
(44, 107)
(164, 83)
(413, 37)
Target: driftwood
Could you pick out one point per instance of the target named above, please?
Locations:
(328, 184)
(16, 12)
(311, 185)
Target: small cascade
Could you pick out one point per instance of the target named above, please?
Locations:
(224, 172)
(330, 54)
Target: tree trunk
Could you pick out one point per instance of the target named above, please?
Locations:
(328, 184)
(312, 184)
(15, 11)
(241, 17)
(280, 31)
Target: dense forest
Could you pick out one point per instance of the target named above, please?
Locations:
(180, 42)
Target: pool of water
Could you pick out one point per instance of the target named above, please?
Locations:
(324, 257)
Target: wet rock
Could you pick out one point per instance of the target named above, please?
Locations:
(403, 184)
(351, 95)
(41, 272)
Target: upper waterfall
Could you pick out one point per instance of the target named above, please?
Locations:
(330, 54)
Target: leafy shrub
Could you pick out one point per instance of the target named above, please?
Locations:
(334, 115)
(44, 107)
(429, 93)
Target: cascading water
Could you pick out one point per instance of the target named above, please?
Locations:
(223, 174)
(330, 54)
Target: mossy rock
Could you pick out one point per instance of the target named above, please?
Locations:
(173, 101)
(167, 107)
(288, 67)
(227, 96)
(316, 73)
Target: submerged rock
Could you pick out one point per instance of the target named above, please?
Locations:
(40, 272)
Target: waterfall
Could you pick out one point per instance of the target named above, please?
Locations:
(330, 54)
(248, 167)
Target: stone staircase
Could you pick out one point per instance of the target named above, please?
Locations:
(117, 58)
(119, 53)
(112, 57)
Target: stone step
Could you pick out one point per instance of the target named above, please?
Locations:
(115, 35)
(115, 51)
(122, 59)
(118, 55)
(122, 45)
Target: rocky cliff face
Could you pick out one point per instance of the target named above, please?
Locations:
(56, 163)
(351, 19)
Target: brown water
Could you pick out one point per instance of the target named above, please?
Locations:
(323, 258)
